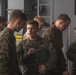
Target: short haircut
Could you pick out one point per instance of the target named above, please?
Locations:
(40, 19)
(17, 14)
(64, 17)
(33, 23)
(2, 19)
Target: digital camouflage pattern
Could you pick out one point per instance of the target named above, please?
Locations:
(32, 62)
(71, 55)
(52, 34)
(1, 32)
(8, 59)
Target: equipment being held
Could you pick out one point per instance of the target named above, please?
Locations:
(34, 60)
(42, 56)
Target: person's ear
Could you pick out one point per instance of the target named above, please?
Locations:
(17, 22)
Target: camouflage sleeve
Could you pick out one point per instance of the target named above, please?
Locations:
(19, 51)
(71, 53)
(3, 55)
(45, 34)
(22, 55)
(51, 63)
(48, 35)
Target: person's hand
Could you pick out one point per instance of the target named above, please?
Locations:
(65, 73)
(42, 69)
(31, 50)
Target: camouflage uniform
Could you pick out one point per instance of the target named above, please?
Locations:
(1, 32)
(52, 34)
(71, 55)
(39, 44)
(8, 59)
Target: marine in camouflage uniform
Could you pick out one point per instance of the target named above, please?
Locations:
(55, 36)
(71, 55)
(31, 63)
(8, 59)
